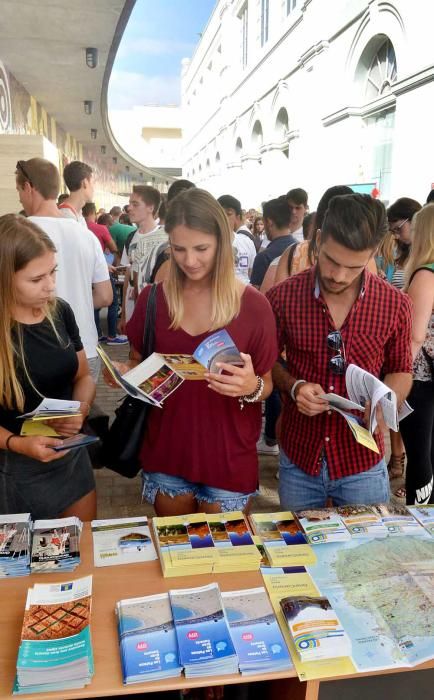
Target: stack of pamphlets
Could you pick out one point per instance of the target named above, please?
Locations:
(48, 409)
(204, 642)
(15, 545)
(204, 543)
(399, 521)
(56, 545)
(321, 525)
(425, 515)
(55, 652)
(283, 539)
(315, 628)
(154, 379)
(362, 521)
(122, 541)
(255, 632)
(148, 645)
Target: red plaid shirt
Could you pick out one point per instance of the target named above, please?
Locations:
(377, 337)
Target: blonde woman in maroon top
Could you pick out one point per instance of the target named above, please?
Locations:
(199, 451)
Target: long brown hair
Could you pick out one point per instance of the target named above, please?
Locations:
(197, 209)
(20, 243)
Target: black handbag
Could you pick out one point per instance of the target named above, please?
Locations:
(121, 446)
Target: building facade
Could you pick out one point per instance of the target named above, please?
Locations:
(311, 93)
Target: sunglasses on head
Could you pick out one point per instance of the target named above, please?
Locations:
(21, 167)
(396, 229)
(337, 363)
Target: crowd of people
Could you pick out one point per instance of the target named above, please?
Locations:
(302, 294)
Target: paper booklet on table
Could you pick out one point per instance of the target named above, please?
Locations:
(154, 379)
(122, 541)
(361, 388)
(56, 545)
(321, 525)
(55, 651)
(15, 530)
(284, 541)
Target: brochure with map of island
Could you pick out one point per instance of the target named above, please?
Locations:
(147, 639)
(205, 543)
(122, 541)
(204, 641)
(56, 545)
(322, 525)
(284, 541)
(424, 515)
(55, 652)
(255, 632)
(15, 531)
(315, 628)
(399, 521)
(154, 379)
(362, 521)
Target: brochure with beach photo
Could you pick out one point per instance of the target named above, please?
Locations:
(202, 630)
(122, 541)
(147, 639)
(255, 632)
(283, 539)
(154, 379)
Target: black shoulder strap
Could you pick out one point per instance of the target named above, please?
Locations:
(128, 240)
(248, 234)
(149, 329)
(291, 251)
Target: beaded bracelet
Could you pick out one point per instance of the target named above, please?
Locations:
(253, 397)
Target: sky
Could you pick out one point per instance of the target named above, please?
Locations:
(158, 35)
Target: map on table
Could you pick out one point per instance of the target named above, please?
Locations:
(383, 593)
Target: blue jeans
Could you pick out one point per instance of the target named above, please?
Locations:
(298, 490)
(112, 314)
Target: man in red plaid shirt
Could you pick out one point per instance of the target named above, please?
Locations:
(332, 315)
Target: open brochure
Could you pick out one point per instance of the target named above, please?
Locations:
(361, 388)
(154, 379)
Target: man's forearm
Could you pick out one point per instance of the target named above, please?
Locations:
(282, 380)
(401, 383)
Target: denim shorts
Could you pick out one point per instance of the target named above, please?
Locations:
(298, 490)
(154, 482)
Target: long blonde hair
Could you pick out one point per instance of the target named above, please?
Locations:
(422, 249)
(197, 209)
(20, 243)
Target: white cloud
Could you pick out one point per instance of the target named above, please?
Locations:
(128, 89)
(154, 47)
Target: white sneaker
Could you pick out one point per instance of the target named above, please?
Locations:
(263, 449)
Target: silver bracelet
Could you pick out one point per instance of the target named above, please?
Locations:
(255, 396)
(294, 386)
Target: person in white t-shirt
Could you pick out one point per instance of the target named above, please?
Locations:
(78, 178)
(244, 242)
(144, 203)
(82, 277)
(297, 202)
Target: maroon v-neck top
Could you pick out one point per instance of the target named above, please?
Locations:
(200, 435)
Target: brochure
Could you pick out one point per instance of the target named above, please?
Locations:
(204, 543)
(424, 515)
(283, 539)
(15, 532)
(56, 545)
(75, 442)
(148, 645)
(204, 642)
(122, 541)
(255, 632)
(55, 652)
(154, 379)
(53, 408)
(362, 521)
(322, 525)
(399, 521)
(315, 628)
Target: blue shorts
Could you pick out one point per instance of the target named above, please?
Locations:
(154, 482)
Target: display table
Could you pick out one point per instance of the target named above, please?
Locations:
(110, 584)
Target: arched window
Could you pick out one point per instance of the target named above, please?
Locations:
(217, 157)
(382, 72)
(257, 134)
(207, 165)
(238, 147)
(281, 126)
